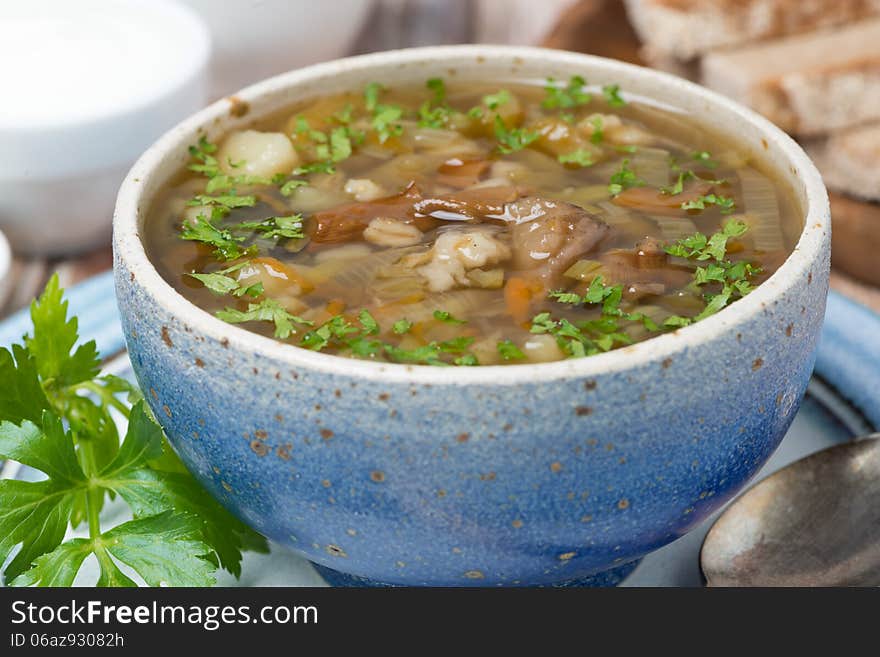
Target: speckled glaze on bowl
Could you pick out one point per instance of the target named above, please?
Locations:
(517, 475)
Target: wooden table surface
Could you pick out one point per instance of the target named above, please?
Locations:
(596, 26)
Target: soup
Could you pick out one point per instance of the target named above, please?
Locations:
(457, 224)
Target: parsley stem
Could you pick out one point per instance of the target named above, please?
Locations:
(107, 397)
(94, 495)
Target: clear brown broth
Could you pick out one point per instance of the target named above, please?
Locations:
(338, 272)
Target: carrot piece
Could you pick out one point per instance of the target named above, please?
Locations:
(335, 306)
(518, 294)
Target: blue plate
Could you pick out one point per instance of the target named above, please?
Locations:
(843, 401)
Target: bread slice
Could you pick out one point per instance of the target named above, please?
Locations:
(685, 29)
(850, 161)
(855, 238)
(808, 84)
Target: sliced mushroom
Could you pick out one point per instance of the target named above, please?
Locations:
(347, 222)
(649, 199)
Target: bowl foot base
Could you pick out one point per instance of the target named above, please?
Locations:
(611, 577)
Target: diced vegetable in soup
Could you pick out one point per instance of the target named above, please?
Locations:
(464, 225)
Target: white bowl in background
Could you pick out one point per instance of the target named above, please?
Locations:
(5, 268)
(108, 77)
(255, 39)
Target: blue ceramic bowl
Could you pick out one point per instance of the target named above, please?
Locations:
(520, 475)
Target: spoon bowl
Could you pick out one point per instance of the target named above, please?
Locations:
(816, 522)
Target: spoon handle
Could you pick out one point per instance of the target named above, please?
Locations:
(849, 354)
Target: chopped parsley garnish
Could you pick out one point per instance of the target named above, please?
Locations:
(508, 350)
(612, 95)
(314, 167)
(290, 186)
(725, 203)
(205, 163)
(678, 187)
(435, 113)
(267, 310)
(704, 158)
(513, 139)
(226, 245)
(343, 116)
(222, 182)
(444, 316)
(384, 116)
(580, 157)
(342, 334)
(274, 228)
(496, 100)
(683, 176)
(571, 95)
(220, 282)
(371, 95)
(624, 178)
(228, 201)
(598, 134)
(734, 277)
(371, 327)
(55, 416)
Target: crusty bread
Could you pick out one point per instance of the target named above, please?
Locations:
(685, 29)
(850, 161)
(808, 84)
(855, 238)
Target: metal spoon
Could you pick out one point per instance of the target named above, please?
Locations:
(816, 522)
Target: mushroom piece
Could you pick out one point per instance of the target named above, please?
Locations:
(548, 236)
(347, 222)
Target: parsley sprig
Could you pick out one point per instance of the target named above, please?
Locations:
(55, 416)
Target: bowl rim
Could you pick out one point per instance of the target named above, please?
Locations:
(129, 250)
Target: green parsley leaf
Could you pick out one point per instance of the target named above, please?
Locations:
(344, 115)
(290, 227)
(467, 360)
(313, 167)
(624, 178)
(598, 134)
(514, 139)
(612, 95)
(267, 310)
(205, 162)
(456, 345)
(508, 350)
(704, 158)
(725, 203)
(384, 122)
(571, 95)
(496, 100)
(580, 157)
(678, 187)
(54, 336)
(401, 326)
(444, 316)
(340, 144)
(226, 245)
(229, 201)
(292, 185)
(371, 326)
(371, 95)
